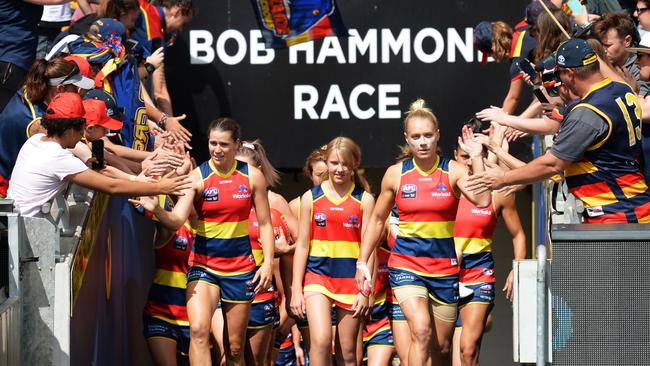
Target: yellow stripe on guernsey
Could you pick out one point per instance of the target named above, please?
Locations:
(602, 199)
(635, 189)
(473, 245)
(258, 254)
(581, 167)
(334, 249)
(222, 230)
(170, 278)
(346, 299)
(183, 323)
(424, 229)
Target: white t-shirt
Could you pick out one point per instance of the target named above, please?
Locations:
(40, 173)
(56, 13)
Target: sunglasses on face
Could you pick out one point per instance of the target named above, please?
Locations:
(640, 11)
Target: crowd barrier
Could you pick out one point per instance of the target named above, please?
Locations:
(77, 283)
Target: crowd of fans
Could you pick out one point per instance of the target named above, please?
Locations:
(245, 277)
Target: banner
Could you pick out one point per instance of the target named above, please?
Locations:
(299, 98)
(286, 23)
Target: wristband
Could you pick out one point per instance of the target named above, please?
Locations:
(363, 267)
(149, 67)
(163, 120)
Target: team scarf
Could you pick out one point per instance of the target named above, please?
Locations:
(286, 23)
(119, 76)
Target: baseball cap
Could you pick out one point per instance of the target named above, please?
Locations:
(575, 52)
(112, 108)
(83, 65)
(96, 115)
(75, 77)
(535, 8)
(643, 46)
(483, 39)
(65, 105)
(105, 29)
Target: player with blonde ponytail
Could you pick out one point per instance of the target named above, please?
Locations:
(423, 269)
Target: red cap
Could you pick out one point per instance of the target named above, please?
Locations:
(84, 67)
(65, 105)
(96, 115)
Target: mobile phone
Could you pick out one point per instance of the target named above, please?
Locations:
(98, 154)
(525, 67)
(537, 90)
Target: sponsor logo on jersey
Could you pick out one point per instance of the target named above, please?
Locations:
(353, 222)
(320, 219)
(211, 194)
(488, 271)
(225, 181)
(454, 261)
(425, 179)
(409, 191)
(333, 208)
(441, 191)
(481, 211)
(180, 243)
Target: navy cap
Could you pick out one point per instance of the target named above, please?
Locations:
(483, 38)
(112, 110)
(535, 8)
(575, 52)
(106, 29)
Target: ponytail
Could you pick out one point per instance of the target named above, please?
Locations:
(39, 75)
(255, 151)
(36, 82)
(360, 180)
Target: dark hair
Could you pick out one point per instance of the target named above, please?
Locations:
(475, 125)
(188, 8)
(585, 71)
(226, 124)
(549, 35)
(58, 126)
(255, 151)
(38, 76)
(116, 8)
(619, 21)
(313, 158)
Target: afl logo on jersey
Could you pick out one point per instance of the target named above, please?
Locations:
(320, 219)
(211, 194)
(409, 190)
(181, 243)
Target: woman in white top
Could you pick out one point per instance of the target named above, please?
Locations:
(45, 165)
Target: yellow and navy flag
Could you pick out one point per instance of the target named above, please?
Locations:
(285, 23)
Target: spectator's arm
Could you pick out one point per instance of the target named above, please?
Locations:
(160, 92)
(645, 108)
(125, 152)
(47, 2)
(511, 100)
(84, 6)
(96, 181)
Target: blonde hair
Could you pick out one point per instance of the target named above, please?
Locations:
(417, 109)
(255, 151)
(351, 154)
(501, 41)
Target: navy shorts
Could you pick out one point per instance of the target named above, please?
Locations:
(263, 314)
(441, 289)
(234, 289)
(158, 328)
(483, 294)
